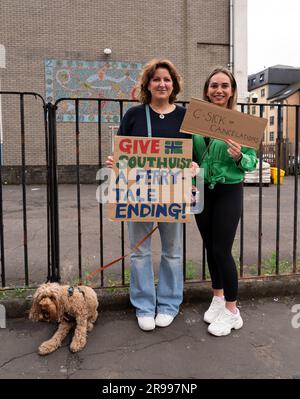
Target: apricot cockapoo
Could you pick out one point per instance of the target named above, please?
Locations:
(70, 307)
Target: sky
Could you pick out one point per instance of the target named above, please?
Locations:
(273, 34)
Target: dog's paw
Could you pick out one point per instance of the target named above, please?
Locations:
(90, 326)
(47, 347)
(78, 344)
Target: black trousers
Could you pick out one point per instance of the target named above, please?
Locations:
(217, 224)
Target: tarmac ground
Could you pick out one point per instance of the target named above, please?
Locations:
(90, 236)
(267, 347)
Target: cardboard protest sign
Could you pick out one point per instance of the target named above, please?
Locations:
(207, 119)
(151, 179)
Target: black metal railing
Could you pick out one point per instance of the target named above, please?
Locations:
(22, 113)
(53, 190)
(280, 156)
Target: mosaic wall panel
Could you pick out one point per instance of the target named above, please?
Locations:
(90, 79)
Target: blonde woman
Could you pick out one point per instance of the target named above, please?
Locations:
(224, 163)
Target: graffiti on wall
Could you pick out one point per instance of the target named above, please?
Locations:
(90, 79)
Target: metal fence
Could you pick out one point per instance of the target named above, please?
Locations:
(289, 161)
(53, 202)
(22, 116)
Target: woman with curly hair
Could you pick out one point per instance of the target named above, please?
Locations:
(160, 83)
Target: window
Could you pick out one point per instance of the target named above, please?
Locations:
(271, 120)
(253, 110)
(261, 77)
(271, 136)
(262, 92)
(272, 107)
(253, 81)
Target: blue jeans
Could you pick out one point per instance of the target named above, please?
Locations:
(169, 294)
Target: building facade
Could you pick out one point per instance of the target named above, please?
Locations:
(279, 84)
(194, 35)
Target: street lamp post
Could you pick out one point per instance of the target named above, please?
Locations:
(252, 98)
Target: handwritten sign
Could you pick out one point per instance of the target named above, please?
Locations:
(151, 179)
(207, 119)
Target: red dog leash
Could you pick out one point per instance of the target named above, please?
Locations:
(89, 276)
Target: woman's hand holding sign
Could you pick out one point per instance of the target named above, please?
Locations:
(234, 149)
(109, 161)
(194, 168)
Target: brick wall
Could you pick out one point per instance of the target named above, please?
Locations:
(135, 30)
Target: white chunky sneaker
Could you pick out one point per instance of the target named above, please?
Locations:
(146, 323)
(216, 306)
(225, 322)
(163, 320)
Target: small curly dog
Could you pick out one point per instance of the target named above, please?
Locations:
(70, 307)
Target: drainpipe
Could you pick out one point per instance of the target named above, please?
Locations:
(2, 65)
(231, 26)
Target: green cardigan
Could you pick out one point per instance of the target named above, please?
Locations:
(218, 165)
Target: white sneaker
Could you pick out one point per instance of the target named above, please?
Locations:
(225, 322)
(146, 323)
(216, 306)
(163, 320)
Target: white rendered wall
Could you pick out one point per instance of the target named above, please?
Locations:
(240, 47)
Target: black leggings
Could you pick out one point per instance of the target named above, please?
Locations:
(217, 224)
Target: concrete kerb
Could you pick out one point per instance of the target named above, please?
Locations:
(249, 288)
(118, 299)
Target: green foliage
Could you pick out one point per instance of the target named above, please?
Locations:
(3, 295)
(190, 271)
(83, 281)
(127, 276)
(114, 284)
(268, 266)
(193, 271)
(20, 292)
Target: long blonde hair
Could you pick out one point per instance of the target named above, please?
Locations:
(233, 99)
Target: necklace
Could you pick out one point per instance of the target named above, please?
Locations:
(160, 114)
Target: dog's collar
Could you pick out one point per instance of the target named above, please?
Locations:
(71, 291)
(69, 318)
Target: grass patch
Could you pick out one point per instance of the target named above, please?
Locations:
(16, 293)
(194, 272)
(268, 266)
(3, 295)
(114, 284)
(190, 270)
(20, 292)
